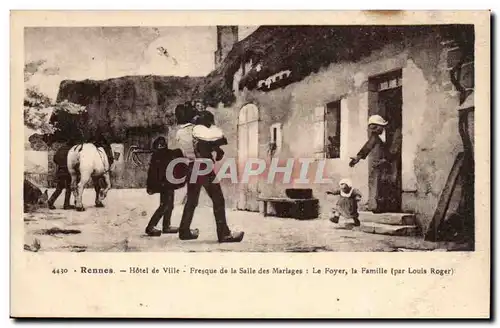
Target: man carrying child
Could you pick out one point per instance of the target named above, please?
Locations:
(198, 141)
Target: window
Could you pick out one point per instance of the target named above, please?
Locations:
(332, 130)
(390, 84)
(327, 130)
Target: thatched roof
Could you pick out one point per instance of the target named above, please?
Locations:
(129, 103)
(306, 49)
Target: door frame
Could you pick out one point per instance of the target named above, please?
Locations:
(244, 201)
(375, 83)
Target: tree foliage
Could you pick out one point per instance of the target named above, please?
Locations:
(59, 121)
(37, 109)
(53, 121)
(69, 121)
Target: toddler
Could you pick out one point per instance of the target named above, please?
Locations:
(347, 203)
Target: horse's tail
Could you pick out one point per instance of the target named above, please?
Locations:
(76, 166)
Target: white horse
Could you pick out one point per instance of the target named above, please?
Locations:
(86, 161)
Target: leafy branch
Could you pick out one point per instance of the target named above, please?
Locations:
(40, 113)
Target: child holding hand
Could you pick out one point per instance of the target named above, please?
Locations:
(347, 203)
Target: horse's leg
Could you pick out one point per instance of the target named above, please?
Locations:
(74, 184)
(84, 178)
(97, 188)
(107, 179)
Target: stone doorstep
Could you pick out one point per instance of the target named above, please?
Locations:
(378, 228)
(390, 230)
(402, 219)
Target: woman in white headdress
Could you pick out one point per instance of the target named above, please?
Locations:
(347, 203)
(386, 164)
(377, 127)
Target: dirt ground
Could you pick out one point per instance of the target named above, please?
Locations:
(119, 227)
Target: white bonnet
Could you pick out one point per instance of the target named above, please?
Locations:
(346, 181)
(378, 120)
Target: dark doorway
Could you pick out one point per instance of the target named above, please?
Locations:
(385, 181)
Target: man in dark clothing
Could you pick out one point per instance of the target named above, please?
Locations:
(185, 140)
(387, 166)
(63, 178)
(157, 182)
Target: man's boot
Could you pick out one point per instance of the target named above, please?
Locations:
(153, 232)
(150, 228)
(52, 200)
(188, 234)
(232, 237)
(224, 234)
(67, 206)
(167, 228)
(185, 233)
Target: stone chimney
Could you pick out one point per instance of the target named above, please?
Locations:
(227, 36)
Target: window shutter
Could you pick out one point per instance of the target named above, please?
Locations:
(333, 129)
(319, 132)
(344, 129)
(276, 135)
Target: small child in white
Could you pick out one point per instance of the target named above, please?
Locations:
(347, 203)
(207, 137)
